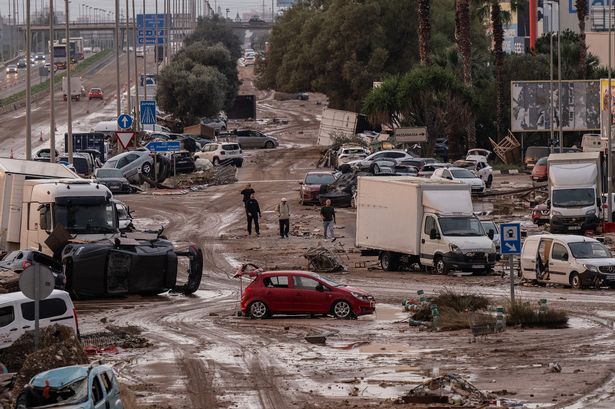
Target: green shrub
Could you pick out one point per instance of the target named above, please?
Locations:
(523, 314)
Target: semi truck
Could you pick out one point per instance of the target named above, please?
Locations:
(410, 221)
(76, 48)
(575, 191)
(46, 207)
(59, 56)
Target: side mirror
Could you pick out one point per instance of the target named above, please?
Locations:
(565, 257)
(320, 288)
(491, 234)
(433, 235)
(44, 217)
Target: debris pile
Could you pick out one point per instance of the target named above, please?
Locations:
(216, 175)
(9, 281)
(322, 260)
(6, 381)
(112, 338)
(450, 388)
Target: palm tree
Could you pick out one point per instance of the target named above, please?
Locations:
(424, 32)
(498, 53)
(581, 6)
(462, 37)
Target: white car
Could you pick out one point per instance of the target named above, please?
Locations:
(576, 261)
(12, 69)
(368, 163)
(463, 175)
(478, 154)
(350, 153)
(221, 153)
(481, 168)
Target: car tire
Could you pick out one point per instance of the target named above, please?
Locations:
(146, 169)
(216, 161)
(239, 164)
(269, 145)
(440, 266)
(489, 182)
(258, 310)
(575, 281)
(389, 261)
(342, 310)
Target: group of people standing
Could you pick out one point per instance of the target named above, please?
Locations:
(253, 213)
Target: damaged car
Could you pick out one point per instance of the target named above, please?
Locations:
(314, 183)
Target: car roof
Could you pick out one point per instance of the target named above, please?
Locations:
(566, 238)
(289, 272)
(320, 172)
(19, 296)
(60, 377)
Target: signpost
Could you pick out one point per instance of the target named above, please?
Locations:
(36, 282)
(411, 135)
(151, 28)
(124, 121)
(510, 244)
(148, 112)
(164, 146)
(124, 138)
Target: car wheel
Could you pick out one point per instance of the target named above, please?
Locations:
(441, 267)
(489, 181)
(146, 169)
(215, 162)
(575, 281)
(389, 261)
(269, 145)
(258, 310)
(342, 310)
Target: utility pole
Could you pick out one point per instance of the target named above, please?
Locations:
(134, 32)
(128, 56)
(559, 84)
(28, 80)
(52, 119)
(156, 46)
(610, 126)
(144, 53)
(68, 90)
(118, 105)
(551, 74)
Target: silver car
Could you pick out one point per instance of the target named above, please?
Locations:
(132, 164)
(249, 138)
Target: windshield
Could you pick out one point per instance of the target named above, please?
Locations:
(319, 179)
(85, 219)
(330, 282)
(489, 226)
(461, 226)
(109, 173)
(587, 249)
(573, 197)
(72, 394)
(462, 174)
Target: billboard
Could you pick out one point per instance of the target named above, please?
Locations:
(530, 106)
(604, 104)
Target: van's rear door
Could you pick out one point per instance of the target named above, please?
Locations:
(529, 253)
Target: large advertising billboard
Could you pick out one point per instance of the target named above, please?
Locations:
(604, 104)
(530, 106)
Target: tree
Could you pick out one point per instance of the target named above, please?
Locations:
(498, 52)
(581, 6)
(424, 27)
(215, 30)
(462, 38)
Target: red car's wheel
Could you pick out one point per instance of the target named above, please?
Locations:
(342, 310)
(258, 310)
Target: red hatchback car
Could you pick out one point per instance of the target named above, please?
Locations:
(310, 187)
(300, 292)
(95, 93)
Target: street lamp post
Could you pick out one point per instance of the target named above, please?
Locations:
(28, 79)
(118, 106)
(559, 84)
(128, 54)
(134, 32)
(69, 98)
(610, 124)
(52, 119)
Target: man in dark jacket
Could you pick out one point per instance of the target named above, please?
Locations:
(253, 211)
(247, 192)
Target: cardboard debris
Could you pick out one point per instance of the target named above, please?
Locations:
(450, 388)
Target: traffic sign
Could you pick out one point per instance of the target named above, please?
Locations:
(411, 135)
(124, 138)
(36, 281)
(148, 112)
(510, 238)
(151, 28)
(124, 121)
(164, 146)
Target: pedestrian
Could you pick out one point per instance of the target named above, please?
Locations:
(253, 212)
(327, 212)
(247, 192)
(284, 217)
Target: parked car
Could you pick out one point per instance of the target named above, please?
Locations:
(95, 93)
(17, 314)
(114, 179)
(348, 153)
(367, 164)
(478, 154)
(429, 169)
(533, 153)
(222, 153)
(394, 167)
(91, 386)
(12, 69)
(481, 168)
(540, 214)
(249, 138)
(300, 292)
(132, 163)
(81, 161)
(256, 20)
(182, 162)
(540, 172)
(576, 261)
(19, 260)
(312, 184)
(217, 123)
(476, 184)
(493, 231)
(419, 163)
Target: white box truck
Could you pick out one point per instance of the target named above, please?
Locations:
(409, 220)
(75, 88)
(575, 191)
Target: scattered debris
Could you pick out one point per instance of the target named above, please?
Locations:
(108, 341)
(555, 367)
(6, 382)
(320, 338)
(322, 260)
(450, 388)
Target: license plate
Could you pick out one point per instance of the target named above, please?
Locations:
(574, 227)
(477, 266)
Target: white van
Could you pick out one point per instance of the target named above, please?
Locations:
(576, 261)
(17, 314)
(107, 127)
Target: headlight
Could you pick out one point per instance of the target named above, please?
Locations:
(455, 248)
(359, 296)
(555, 213)
(590, 212)
(594, 269)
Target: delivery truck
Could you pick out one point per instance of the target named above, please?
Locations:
(414, 221)
(75, 88)
(575, 191)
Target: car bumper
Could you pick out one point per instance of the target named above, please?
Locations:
(573, 224)
(466, 262)
(364, 308)
(234, 161)
(476, 190)
(310, 197)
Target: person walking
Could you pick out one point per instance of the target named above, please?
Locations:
(327, 212)
(253, 212)
(284, 217)
(247, 192)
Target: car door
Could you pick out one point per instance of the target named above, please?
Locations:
(559, 267)
(529, 254)
(277, 293)
(244, 139)
(112, 390)
(312, 297)
(429, 246)
(257, 139)
(98, 394)
(542, 259)
(10, 325)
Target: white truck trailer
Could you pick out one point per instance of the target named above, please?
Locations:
(408, 220)
(75, 88)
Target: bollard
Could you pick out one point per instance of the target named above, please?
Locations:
(435, 315)
(500, 323)
(421, 295)
(40, 139)
(542, 305)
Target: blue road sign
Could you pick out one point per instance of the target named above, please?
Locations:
(510, 238)
(148, 112)
(151, 28)
(124, 121)
(164, 146)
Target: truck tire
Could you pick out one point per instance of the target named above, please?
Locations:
(440, 266)
(389, 261)
(489, 182)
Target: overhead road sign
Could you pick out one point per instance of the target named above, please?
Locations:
(124, 121)
(124, 138)
(510, 238)
(151, 28)
(414, 135)
(148, 112)
(164, 146)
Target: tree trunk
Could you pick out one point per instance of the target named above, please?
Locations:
(581, 6)
(424, 30)
(498, 39)
(462, 37)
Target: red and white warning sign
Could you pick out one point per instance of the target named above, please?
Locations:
(124, 138)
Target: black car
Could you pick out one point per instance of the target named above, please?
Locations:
(21, 64)
(114, 180)
(182, 161)
(19, 260)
